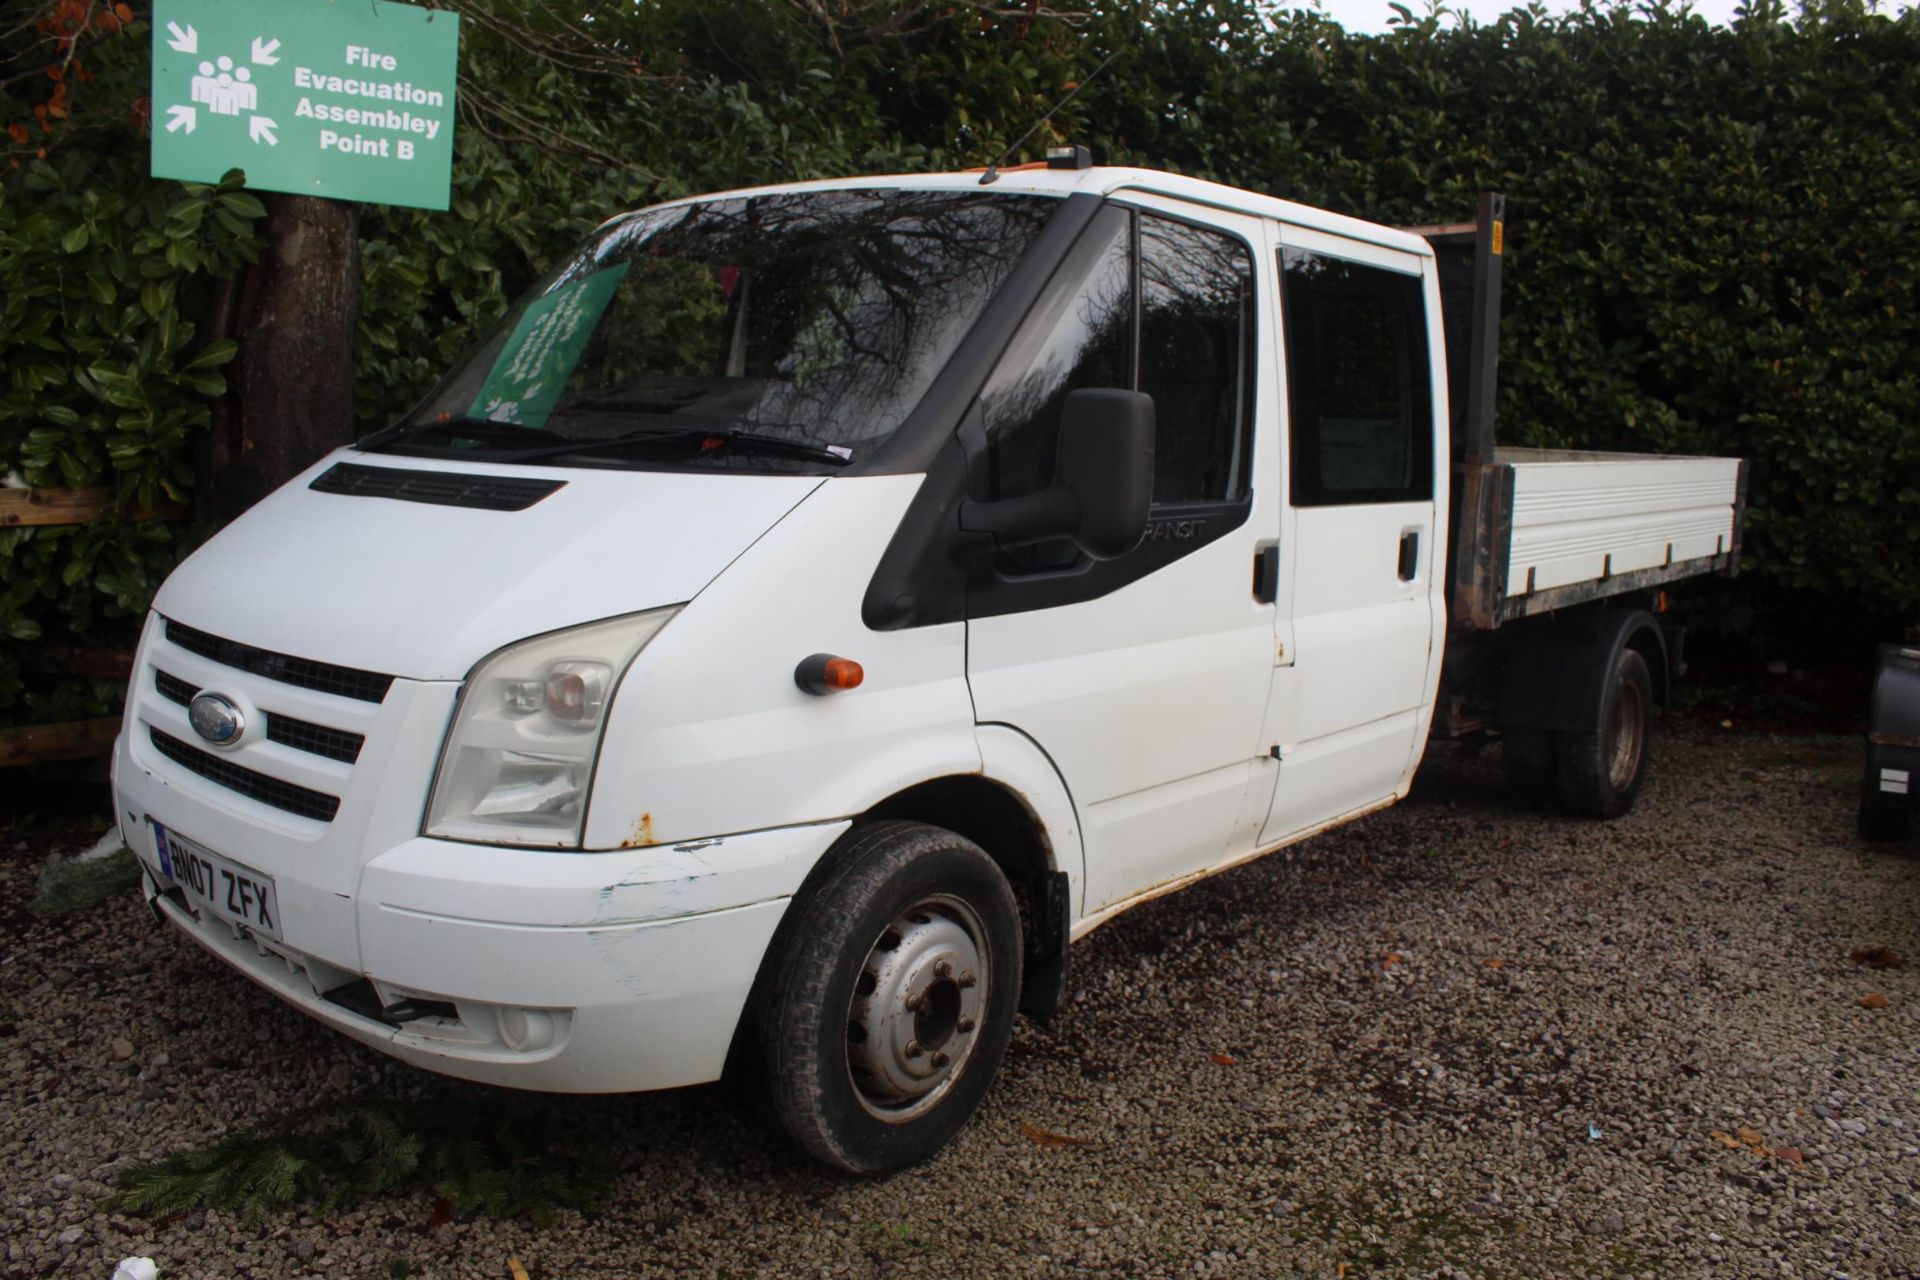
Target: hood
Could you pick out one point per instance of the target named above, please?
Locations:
(425, 589)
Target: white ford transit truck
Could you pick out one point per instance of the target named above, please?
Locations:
(812, 608)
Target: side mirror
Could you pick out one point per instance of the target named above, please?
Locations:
(1102, 483)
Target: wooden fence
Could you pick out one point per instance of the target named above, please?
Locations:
(76, 739)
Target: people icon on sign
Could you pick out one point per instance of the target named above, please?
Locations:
(226, 92)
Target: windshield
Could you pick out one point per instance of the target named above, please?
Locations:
(778, 333)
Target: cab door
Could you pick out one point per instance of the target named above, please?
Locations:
(1365, 434)
(1144, 678)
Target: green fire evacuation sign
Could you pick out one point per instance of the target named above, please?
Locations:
(351, 99)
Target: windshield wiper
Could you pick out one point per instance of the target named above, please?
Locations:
(706, 440)
(453, 427)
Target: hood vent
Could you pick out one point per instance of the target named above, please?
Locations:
(440, 488)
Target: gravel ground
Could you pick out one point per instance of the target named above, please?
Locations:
(1452, 1039)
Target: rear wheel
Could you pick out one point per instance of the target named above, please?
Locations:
(887, 999)
(1598, 775)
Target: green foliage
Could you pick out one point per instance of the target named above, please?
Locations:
(68, 884)
(505, 1163)
(1710, 240)
(103, 378)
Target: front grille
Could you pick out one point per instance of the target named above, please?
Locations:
(347, 682)
(173, 688)
(441, 488)
(335, 744)
(302, 735)
(255, 786)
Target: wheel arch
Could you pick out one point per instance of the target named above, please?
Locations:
(1556, 677)
(1007, 824)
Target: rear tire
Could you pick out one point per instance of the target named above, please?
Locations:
(1598, 775)
(887, 998)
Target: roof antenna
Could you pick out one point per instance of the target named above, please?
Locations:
(993, 170)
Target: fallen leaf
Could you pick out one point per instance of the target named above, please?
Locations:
(1319, 877)
(1048, 1138)
(1494, 962)
(1391, 959)
(1340, 1272)
(442, 1213)
(1726, 724)
(519, 1272)
(1881, 957)
(1752, 1137)
(1226, 1059)
(1725, 1139)
(1792, 1155)
(1872, 1000)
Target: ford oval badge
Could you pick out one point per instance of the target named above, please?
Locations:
(216, 719)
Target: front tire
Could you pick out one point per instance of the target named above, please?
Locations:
(887, 998)
(1598, 775)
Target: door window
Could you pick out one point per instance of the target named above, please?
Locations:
(1358, 389)
(1196, 361)
(1149, 304)
(1079, 336)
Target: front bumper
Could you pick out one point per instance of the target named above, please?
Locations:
(564, 972)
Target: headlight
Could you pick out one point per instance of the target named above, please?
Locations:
(518, 762)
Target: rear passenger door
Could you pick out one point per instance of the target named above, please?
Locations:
(1364, 431)
(1144, 678)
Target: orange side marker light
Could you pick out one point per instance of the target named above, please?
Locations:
(823, 673)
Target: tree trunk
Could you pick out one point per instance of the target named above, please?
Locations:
(290, 390)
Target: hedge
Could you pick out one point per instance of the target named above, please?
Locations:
(1711, 231)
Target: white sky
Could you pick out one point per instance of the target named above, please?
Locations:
(1372, 15)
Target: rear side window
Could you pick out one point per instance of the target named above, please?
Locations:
(1358, 389)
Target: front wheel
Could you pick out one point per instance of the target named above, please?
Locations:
(1598, 775)
(887, 999)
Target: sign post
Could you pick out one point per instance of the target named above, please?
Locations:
(349, 99)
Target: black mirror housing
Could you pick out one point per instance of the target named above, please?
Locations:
(1105, 457)
(1102, 485)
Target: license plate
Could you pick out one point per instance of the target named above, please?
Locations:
(221, 885)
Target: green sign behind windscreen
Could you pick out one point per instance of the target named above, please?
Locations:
(351, 99)
(547, 341)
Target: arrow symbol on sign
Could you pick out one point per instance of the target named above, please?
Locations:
(180, 118)
(260, 128)
(187, 41)
(263, 51)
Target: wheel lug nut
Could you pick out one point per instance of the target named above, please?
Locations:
(943, 970)
(913, 1049)
(967, 979)
(918, 1004)
(966, 1024)
(941, 1059)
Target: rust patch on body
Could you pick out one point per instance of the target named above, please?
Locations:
(642, 836)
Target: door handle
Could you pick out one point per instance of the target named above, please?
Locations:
(1409, 554)
(1266, 574)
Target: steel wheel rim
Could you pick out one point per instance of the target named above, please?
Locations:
(913, 1022)
(1626, 733)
